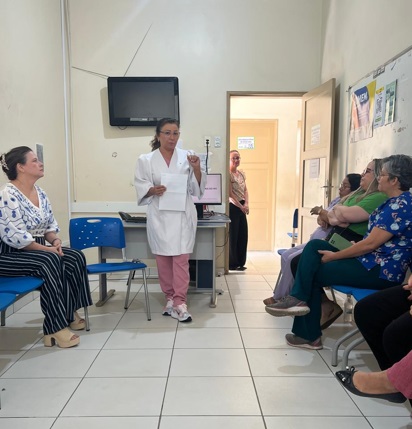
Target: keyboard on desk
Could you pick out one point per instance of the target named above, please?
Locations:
(137, 219)
(134, 219)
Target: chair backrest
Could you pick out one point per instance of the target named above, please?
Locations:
(295, 219)
(88, 232)
(295, 224)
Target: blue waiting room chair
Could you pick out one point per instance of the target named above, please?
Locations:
(18, 287)
(358, 294)
(88, 232)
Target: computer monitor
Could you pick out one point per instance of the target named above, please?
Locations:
(212, 194)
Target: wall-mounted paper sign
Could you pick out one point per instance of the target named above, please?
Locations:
(245, 142)
(390, 102)
(314, 168)
(379, 116)
(315, 134)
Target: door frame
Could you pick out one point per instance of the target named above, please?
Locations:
(229, 95)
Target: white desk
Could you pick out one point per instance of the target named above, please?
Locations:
(137, 247)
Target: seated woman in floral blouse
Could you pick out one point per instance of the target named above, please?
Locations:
(29, 246)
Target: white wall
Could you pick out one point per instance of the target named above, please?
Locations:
(213, 46)
(31, 91)
(358, 37)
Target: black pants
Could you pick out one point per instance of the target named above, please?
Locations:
(384, 321)
(238, 235)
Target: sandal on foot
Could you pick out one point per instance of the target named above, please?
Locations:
(79, 324)
(63, 338)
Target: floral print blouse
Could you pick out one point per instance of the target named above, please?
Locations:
(21, 220)
(394, 256)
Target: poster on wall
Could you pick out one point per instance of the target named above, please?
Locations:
(390, 102)
(379, 116)
(362, 108)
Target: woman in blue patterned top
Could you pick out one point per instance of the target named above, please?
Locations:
(378, 261)
(26, 224)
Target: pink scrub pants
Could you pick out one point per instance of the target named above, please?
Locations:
(174, 277)
(400, 375)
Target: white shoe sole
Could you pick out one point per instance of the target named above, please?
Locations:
(176, 316)
(304, 346)
(292, 311)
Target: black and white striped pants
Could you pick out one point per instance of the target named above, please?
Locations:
(66, 284)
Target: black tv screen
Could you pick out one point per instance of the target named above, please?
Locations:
(142, 101)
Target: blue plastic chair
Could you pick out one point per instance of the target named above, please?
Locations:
(358, 294)
(87, 232)
(17, 286)
(294, 234)
(6, 299)
(21, 286)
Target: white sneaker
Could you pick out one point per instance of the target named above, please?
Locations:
(181, 314)
(167, 309)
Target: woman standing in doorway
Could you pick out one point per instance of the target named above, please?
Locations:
(238, 209)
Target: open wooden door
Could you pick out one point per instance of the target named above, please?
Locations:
(318, 108)
(258, 163)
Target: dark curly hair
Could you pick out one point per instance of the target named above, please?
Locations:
(155, 143)
(10, 160)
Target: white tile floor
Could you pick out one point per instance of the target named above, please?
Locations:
(229, 369)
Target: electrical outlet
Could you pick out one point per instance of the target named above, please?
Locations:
(207, 140)
(218, 141)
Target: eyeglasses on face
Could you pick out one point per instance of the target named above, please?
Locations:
(170, 133)
(344, 186)
(366, 171)
(235, 158)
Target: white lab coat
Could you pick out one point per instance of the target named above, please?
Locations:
(169, 233)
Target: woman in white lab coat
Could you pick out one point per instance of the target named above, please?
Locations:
(165, 180)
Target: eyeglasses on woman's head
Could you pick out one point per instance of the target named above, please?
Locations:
(235, 158)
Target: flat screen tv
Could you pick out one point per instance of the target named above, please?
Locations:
(212, 194)
(142, 101)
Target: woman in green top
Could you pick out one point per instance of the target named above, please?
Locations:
(350, 218)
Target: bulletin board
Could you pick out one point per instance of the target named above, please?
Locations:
(380, 113)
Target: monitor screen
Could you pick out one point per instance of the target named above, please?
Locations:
(213, 190)
(142, 101)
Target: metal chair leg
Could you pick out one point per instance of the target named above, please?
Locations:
(337, 344)
(348, 349)
(146, 293)
(129, 283)
(86, 318)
